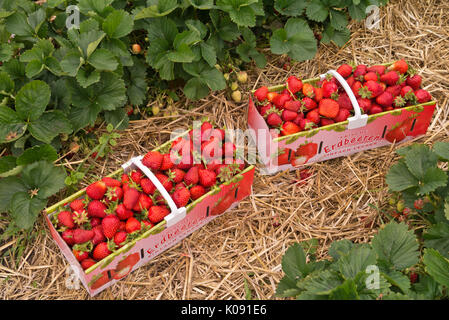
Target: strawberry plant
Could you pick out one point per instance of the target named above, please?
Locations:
(389, 268)
(419, 186)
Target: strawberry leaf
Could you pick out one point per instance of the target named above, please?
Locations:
(396, 245)
(49, 125)
(32, 99)
(6, 83)
(433, 179)
(97, 6)
(43, 177)
(437, 266)
(296, 39)
(442, 150)
(399, 178)
(118, 24)
(437, 237)
(292, 8)
(157, 8)
(419, 158)
(11, 126)
(339, 37)
(202, 4)
(8, 187)
(25, 210)
(317, 10)
(103, 60)
(37, 153)
(7, 163)
(355, 261)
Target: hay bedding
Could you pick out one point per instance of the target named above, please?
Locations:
(338, 201)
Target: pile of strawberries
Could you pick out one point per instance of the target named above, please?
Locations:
(303, 106)
(117, 211)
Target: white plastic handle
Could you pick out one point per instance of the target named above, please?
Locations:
(177, 214)
(358, 120)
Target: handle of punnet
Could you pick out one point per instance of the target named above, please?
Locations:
(177, 214)
(358, 120)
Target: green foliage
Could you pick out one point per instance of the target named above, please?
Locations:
(365, 271)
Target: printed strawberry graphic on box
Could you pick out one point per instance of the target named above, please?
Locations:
(125, 266)
(304, 153)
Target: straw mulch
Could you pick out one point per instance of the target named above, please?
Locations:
(246, 245)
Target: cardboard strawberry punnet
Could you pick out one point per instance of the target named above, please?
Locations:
(333, 115)
(99, 263)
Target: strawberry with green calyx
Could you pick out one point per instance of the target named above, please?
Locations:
(120, 238)
(400, 66)
(370, 90)
(308, 90)
(207, 178)
(224, 172)
(422, 96)
(165, 181)
(330, 89)
(264, 109)
(80, 255)
(289, 128)
(114, 194)
(280, 100)
(399, 102)
(261, 93)
(294, 84)
(356, 87)
(96, 190)
(360, 71)
(136, 176)
(65, 219)
(414, 81)
(176, 175)
(80, 217)
(394, 90)
(418, 204)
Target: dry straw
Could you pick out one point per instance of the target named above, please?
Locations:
(338, 201)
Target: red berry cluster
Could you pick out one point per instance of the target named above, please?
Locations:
(117, 211)
(302, 106)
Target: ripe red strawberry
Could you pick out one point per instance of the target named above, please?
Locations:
(306, 124)
(114, 193)
(165, 181)
(144, 203)
(191, 177)
(166, 162)
(147, 186)
(391, 78)
(414, 81)
(307, 90)
(197, 192)
(371, 76)
(153, 160)
(344, 102)
(101, 251)
(176, 175)
(122, 212)
(207, 178)
(281, 99)
(82, 236)
(111, 182)
(98, 235)
(375, 108)
(274, 120)
(206, 130)
(67, 235)
(325, 122)
(399, 102)
(328, 108)
(370, 90)
(400, 66)
(423, 96)
(360, 71)
(147, 224)
(378, 69)
(124, 178)
(136, 176)
(77, 204)
(385, 99)
(350, 81)
(313, 116)
(319, 92)
(293, 105)
(210, 149)
(120, 238)
(345, 70)
(264, 109)
(298, 119)
(342, 115)
(418, 204)
(96, 190)
(413, 277)
(157, 213)
(110, 225)
(181, 197)
(87, 263)
(294, 84)
(329, 89)
(308, 103)
(271, 96)
(289, 128)
(406, 92)
(394, 90)
(96, 208)
(80, 217)
(65, 219)
(356, 87)
(130, 198)
(122, 226)
(132, 225)
(288, 115)
(80, 255)
(185, 162)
